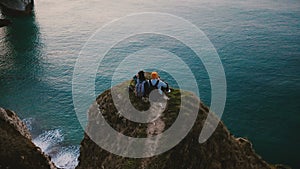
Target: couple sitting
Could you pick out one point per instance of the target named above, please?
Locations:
(143, 87)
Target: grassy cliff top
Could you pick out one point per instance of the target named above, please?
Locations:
(221, 151)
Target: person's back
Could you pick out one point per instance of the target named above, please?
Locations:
(141, 85)
(155, 83)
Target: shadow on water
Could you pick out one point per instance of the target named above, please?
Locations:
(20, 58)
(20, 48)
(20, 64)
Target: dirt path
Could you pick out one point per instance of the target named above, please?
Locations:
(154, 128)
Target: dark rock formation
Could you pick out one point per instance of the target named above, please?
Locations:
(16, 7)
(16, 149)
(4, 22)
(221, 151)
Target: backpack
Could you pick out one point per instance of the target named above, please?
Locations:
(140, 88)
(152, 87)
(166, 89)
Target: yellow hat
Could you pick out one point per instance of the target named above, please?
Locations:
(154, 75)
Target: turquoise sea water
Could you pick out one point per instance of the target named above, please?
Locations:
(258, 43)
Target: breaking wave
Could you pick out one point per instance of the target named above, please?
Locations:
(51, 143)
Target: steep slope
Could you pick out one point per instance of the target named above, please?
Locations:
(16, 149)
(221, 151)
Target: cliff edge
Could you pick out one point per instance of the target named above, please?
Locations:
(16, 7)
(16, 149)
(221, 151)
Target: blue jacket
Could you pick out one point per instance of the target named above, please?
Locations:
(159, 85)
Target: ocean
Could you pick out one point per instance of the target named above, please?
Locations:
(258, 44)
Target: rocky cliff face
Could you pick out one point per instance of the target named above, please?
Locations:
(221, 151)
(16, 7)
(16, 149)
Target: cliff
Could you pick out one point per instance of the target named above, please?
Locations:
(16, 149)
(221, 151)
(16, 7)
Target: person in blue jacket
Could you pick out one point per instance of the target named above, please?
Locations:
(141, 84)
(157, 83)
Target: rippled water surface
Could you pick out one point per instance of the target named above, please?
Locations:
(258, 43)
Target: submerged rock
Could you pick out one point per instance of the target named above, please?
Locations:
(221, 151)
(16, 148)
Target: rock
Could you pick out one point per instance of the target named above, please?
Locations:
(16, 149)
(221, 151)
(4, 22)
(16, 7)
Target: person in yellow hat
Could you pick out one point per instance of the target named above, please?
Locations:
(156, 83)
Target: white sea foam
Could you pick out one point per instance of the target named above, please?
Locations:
(49, 139)
(67, 157)
(28, 122)
(50, 142)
